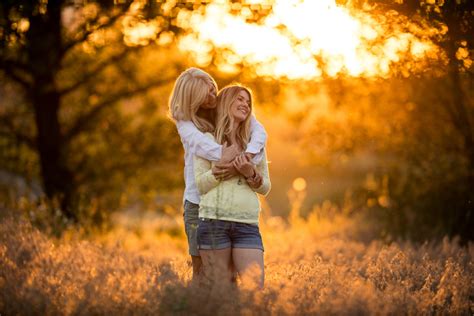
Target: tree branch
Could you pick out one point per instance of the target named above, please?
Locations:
(14, 64)
(94, 21)
(101, 66)
(86, 119)
(12, 131)
(9, 69)
(21, 139)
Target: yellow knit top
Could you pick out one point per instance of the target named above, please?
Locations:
(230, 200)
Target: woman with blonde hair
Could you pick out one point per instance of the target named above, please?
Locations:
(228, 232)
(192, 106)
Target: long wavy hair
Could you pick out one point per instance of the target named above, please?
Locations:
(225, 120)
(190, 91)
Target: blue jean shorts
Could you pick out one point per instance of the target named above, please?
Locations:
(218, 234)
(191, 221)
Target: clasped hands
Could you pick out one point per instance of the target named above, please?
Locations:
(233, 162)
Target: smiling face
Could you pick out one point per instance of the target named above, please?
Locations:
(234, 111)
(241, 107)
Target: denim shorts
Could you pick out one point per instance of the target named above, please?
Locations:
(191, 221)
(218, 234)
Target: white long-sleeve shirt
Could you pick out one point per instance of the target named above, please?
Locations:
(196, 143)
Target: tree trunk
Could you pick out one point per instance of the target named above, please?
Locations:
(57, 179)
(463, 122)
(44, 48)
(462, 119)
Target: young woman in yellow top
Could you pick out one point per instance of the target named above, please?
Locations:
(228, 231)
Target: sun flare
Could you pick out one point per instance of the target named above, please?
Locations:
(304, 39)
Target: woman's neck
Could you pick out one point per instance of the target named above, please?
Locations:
(233, 133)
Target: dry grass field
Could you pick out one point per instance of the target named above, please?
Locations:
(313, 266)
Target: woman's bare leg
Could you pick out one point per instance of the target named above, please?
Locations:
(197, 267)
(249, 265)
(217, 264)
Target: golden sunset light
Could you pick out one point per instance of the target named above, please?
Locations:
(140, 33)
(302, 39)
(236, 157)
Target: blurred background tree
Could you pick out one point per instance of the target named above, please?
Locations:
(420, 125)
(66, 68)
(436, 197)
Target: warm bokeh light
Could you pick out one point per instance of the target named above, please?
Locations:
(304, 39)
(137, 31)
(140, 33)
(299, 184)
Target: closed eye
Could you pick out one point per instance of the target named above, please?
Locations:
(241, 99)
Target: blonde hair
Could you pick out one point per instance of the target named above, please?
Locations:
(225, 120)
(190, 91)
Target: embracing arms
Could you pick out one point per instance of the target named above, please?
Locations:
(199, 144)
(207, 148)
(205, 180)
(257, 176)
(258, 138)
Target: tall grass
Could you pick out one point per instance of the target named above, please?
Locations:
(313, 266)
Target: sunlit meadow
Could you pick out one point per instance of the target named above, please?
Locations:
(324, 264)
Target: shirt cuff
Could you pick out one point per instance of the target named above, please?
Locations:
(252, 150)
